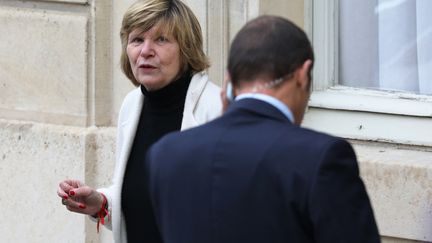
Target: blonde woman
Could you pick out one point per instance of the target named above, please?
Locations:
(162, 54)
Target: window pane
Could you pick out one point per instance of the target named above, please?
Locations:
(386, 44)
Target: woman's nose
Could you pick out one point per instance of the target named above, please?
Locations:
(147, 49)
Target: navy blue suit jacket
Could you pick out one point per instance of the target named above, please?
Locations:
(252, 176)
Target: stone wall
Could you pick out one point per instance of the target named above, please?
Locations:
(60, 91)
(56, 111)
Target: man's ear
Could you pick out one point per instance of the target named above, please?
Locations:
(223, 94)
(302, 74)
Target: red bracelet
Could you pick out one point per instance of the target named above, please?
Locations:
(102, 212)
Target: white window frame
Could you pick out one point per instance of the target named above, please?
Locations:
(356, 113)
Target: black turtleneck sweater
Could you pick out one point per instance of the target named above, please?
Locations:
(162, 113)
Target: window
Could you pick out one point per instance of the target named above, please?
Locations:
(373, 73)
(386, 44)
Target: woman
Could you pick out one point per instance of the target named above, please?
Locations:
(162, 53)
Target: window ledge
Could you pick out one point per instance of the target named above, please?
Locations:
(356, 99)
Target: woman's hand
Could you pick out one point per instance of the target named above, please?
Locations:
(80, 198)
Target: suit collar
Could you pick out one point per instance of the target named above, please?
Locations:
(270, 100)
(259, 107)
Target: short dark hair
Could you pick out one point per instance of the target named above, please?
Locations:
(268, 47)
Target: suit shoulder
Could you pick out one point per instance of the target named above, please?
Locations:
(316, 141)
(329, 148)
(312, 134)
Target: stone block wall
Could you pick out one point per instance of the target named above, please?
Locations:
(60, 91)
(43, 65)
(55, 112)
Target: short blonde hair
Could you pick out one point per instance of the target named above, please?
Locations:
(176, 19)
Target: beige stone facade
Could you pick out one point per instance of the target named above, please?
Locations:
(60, 91)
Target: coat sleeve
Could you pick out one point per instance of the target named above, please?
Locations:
(124, 113)
(107, 192)
(339, 206)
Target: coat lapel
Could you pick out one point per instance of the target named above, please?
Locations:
(193, 94)
(129, 128)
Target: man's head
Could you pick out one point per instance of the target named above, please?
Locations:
(271, 48)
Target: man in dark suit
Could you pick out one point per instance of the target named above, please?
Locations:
(254, 175)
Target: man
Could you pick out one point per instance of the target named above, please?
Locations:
(254, 175)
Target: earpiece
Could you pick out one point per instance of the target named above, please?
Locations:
(229, 92)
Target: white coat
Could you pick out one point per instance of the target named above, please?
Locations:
(201, 105)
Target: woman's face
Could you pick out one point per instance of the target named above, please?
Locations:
(154, 58)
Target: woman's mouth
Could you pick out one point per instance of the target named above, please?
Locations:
(146, 67)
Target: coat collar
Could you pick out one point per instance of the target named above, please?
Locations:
(258, 107)
(194, 92)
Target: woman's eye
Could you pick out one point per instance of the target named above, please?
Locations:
(162, 39)
(136, 40)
